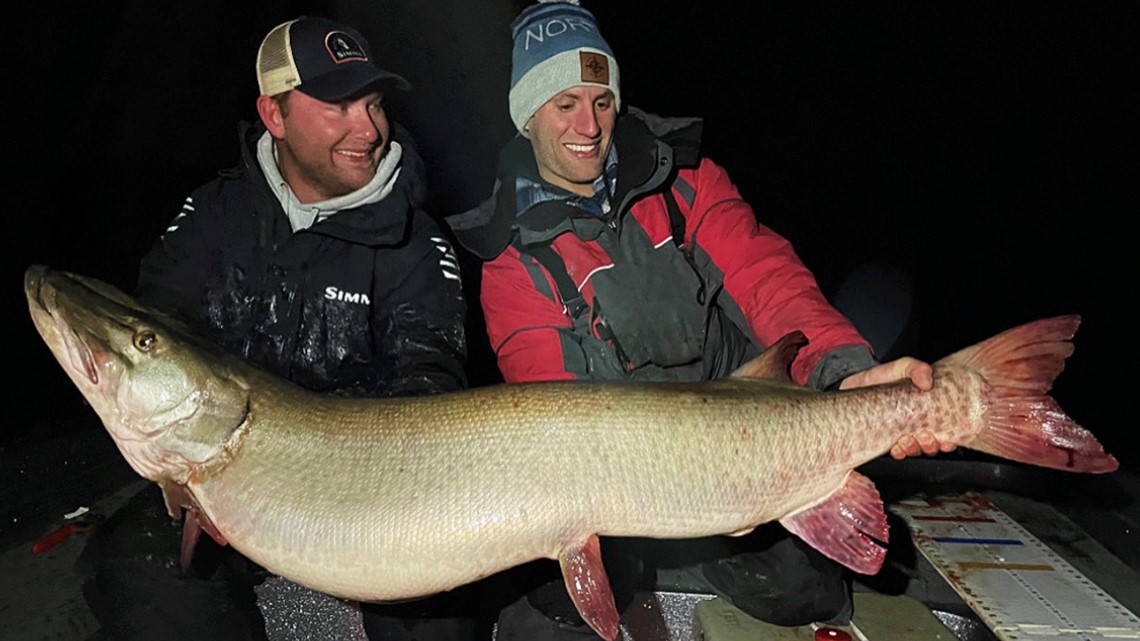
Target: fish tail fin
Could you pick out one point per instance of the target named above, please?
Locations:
(1022, 422)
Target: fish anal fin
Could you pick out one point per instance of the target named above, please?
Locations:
(589, 587)
(774, 363)
(847, 526)
(745, 531)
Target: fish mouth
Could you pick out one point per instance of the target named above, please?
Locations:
(65, 341)
(82, 357)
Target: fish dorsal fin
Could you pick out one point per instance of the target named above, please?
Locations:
(847, 526)
(775, 362)
(589, 587)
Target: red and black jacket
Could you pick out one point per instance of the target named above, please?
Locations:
(569, 295)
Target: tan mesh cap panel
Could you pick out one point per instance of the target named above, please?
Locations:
(276, 70)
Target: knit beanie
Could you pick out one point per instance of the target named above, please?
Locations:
(557, 46)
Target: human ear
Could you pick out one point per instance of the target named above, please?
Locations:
(270, 111)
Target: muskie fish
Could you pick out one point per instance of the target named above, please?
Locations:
(379, 500)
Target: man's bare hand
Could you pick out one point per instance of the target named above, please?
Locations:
(919, 443)
(919, 372)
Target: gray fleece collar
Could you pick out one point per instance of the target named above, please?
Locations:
(302, 216)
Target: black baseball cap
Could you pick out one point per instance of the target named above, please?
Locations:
(319, 57)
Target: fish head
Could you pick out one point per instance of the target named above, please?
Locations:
(172, 402)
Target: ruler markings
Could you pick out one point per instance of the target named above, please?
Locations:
(1017, 585)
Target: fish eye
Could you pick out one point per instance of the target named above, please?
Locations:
(145, 339)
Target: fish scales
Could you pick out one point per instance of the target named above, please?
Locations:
(493, 484)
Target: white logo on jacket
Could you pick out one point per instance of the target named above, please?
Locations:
(448, 262)
(332, 293)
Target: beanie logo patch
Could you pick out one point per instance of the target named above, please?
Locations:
(344, 48)
(595, 67)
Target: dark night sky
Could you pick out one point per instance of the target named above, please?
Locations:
(985, 150)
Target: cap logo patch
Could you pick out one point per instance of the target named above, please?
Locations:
(595, 67)
(343, 47)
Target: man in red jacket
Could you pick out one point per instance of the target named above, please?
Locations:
(615, 250)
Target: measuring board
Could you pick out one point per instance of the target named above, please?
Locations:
(1019, 587)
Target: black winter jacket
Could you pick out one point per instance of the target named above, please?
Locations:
(367, 302)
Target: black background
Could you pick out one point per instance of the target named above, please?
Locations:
(987, 151)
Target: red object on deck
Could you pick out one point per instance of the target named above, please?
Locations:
(831, 634)
(55, 538)
(60, 534)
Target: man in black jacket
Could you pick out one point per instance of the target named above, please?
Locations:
(314, 259)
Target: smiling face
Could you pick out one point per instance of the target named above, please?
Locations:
(326, 149)
(571, 134)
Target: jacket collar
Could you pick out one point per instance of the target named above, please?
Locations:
(301, 215)
(384, 222)
(649, 149)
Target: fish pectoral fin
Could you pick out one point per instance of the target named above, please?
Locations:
(177, 497)
(174, 496)
(192, 528)
(847, 526)
(190, 534)
(589, 587)
(206, 524)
